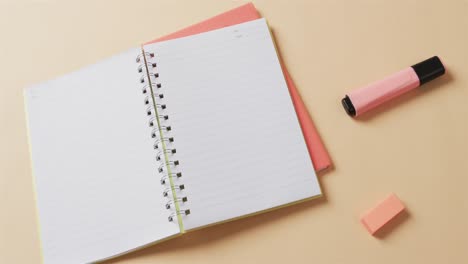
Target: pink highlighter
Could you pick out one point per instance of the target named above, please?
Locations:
(368, 97)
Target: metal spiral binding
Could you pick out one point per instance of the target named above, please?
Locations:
(180, 212)
(160, 140)
(164, 144)
(180, 200)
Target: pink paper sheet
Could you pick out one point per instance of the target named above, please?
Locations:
(245, 13)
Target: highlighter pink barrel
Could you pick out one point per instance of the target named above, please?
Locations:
(368, 97)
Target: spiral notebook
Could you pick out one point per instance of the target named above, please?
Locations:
(145, 146)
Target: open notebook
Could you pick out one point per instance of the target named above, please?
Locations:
(157, 141)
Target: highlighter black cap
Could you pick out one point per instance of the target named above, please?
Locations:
(348, 106)
(429, 69)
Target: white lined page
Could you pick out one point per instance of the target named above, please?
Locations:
(237, 136)
(98, 190)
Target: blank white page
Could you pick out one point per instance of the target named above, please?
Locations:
(98, 191)
(237, 136)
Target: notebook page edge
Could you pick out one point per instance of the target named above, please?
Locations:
(154, 45)
(31, 168)
(305, 200)
(156, 242)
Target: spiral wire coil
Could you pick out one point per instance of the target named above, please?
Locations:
(170, 176)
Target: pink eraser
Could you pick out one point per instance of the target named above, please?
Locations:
(381, 214)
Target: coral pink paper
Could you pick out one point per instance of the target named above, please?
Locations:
(245, 13)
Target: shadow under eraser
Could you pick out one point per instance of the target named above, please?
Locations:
(382, 213)
(368, 97)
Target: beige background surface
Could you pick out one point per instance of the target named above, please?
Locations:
(417, 146)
